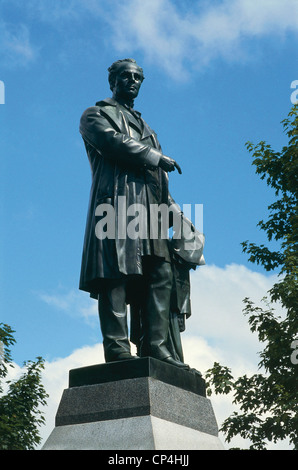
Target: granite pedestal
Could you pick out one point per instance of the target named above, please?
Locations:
(143, 404)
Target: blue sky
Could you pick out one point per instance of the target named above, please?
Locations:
(218, 74)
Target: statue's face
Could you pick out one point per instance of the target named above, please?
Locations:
(128, 82)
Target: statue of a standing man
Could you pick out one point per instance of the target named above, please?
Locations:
(127, 164)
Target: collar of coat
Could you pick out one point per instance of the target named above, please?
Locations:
(114, 111)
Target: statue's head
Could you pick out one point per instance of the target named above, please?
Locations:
(125, 78)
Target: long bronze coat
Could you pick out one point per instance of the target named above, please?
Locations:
(124, 154)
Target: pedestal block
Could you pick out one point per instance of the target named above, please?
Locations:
(143, 404)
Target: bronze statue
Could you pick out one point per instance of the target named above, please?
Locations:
(129, 170)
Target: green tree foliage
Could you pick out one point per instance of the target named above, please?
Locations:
(268, 401)
(20, 414)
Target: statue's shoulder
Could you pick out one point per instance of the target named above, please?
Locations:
(107, 105)
(89, 112)
(110, 109)
(107, 109)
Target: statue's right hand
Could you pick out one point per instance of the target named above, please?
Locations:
(168, 164)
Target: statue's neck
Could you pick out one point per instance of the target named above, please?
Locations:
(123, 101)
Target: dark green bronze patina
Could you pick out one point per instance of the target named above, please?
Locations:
(148, 273)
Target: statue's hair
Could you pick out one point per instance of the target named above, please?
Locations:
(113, 70)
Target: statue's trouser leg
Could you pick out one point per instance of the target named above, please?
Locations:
(113, 320)
(155, 307)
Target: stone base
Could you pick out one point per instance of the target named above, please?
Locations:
(139, 433)
(143, 405)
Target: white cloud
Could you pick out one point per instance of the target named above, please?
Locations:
(217, 303)
(73, 302)
(15, 45)
(173, 36)
(55, 379)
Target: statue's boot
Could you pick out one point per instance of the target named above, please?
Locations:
(113, 321)
(155, 308)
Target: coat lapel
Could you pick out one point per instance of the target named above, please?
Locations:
(147, 132)
(112, 110)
